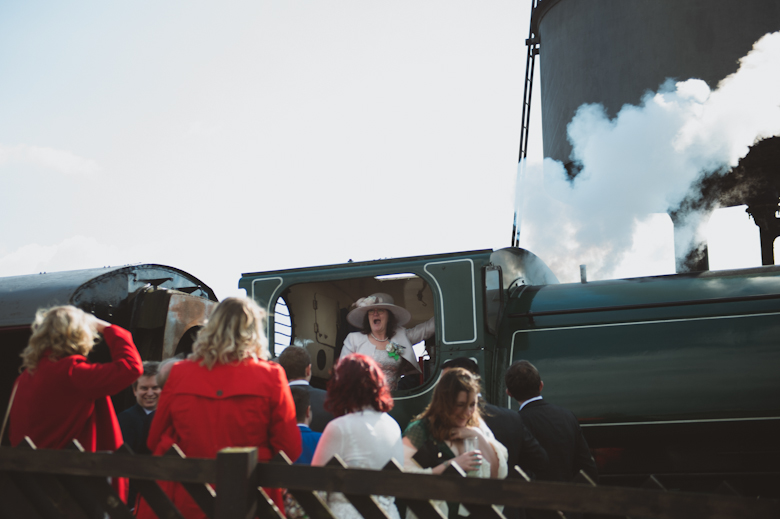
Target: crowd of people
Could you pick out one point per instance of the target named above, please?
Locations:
(228, 393)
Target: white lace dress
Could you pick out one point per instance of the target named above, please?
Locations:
(367, 439)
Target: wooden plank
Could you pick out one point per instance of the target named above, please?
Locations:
(13, 502)
(237, 498)
(46, 461)
(535, 494)
(94, 493)
(314, 506)
(727, 488)
(541, 495)
(157, 500)
(422, 508)
(203, 494)
(366, 505)
(151, 492)
(46, 492)
(266, 508)
(481, 511)
(652, 483)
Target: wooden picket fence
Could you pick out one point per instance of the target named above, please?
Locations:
(72, 484)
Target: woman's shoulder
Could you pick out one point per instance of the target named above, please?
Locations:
(356, 340)
(418, 432)
(390, 422)
(417, 425)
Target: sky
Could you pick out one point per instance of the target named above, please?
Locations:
(231, 137)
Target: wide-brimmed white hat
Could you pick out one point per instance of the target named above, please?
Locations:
(380, 301)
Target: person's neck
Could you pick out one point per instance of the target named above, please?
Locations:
(380, 335)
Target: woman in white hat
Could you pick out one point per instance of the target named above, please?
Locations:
(383, 337)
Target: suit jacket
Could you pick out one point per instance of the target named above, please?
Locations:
(319, 416)
(523, 449)
(559, 432)
(134, 422)
(309, 441)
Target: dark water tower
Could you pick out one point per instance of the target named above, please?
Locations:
(613, 51)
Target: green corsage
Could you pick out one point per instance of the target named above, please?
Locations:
(394, 351)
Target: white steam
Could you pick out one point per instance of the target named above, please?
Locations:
(644, 161)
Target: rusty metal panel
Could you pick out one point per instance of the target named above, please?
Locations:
(184, 312)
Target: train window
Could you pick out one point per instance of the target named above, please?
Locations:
(494, 297)
(282, 326)
(314, 316)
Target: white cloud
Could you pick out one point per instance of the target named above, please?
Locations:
(59, 160)
(77, 252)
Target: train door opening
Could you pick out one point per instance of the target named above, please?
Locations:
(314, 316)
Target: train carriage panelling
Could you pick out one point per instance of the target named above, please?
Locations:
(672, 369)
(457, 296)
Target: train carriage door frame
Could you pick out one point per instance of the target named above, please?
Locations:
(264, 291)
(455, 288)
(493, 297)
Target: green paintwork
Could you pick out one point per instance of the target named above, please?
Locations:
(455, 280)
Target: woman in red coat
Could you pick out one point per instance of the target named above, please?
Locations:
(60, 396)
(225, 395)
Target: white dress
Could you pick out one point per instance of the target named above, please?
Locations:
(357, 342)
(366, 439)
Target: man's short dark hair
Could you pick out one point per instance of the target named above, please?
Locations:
(466, 363)
(523, 380)
(294, 360)
(302, 402)
(151, 367)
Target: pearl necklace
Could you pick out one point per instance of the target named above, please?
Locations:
(379, 340)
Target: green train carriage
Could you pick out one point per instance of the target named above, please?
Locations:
(668, 375)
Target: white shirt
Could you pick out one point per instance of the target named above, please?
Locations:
(529, 401)
(366, 439)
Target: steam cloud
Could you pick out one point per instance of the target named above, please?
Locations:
(644, 161)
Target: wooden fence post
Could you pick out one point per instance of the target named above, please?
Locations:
(236, 483)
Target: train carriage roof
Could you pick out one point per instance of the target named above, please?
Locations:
(22, 296)
(656, 297)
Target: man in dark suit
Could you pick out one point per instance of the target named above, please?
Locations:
(135, 420)
(297, 364)
(556, 428)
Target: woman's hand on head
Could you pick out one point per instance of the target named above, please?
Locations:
(100, 324)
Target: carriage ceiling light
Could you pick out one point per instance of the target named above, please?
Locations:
(394, 277)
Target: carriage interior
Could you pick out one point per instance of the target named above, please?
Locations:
(314, 315)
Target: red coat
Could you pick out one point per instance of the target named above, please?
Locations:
(246, 404)
(70, 398)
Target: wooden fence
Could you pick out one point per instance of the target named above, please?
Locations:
(49, 484)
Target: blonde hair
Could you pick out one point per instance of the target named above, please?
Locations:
(233, 333)
(61, 331)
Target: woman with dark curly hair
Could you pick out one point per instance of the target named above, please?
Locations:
(362, 434)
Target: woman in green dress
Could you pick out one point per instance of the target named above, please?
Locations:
(440, 435)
